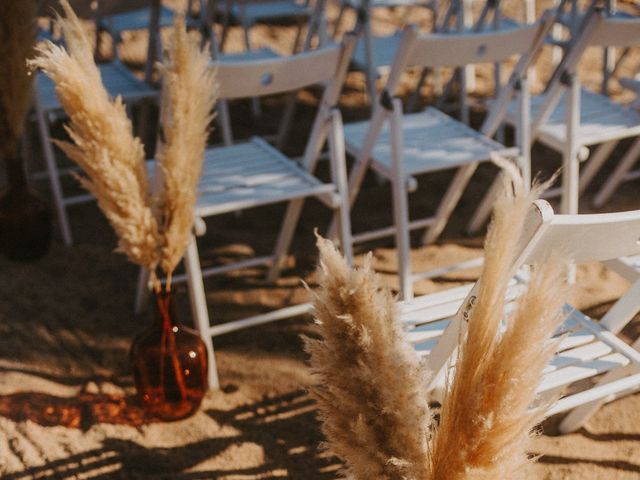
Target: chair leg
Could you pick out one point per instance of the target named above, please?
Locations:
(403, 244)
(371, 66)
(339, 178)
(400, 202)
(338, 20)
(594, 164)
(199, 306)
(617, 177)
(356, 177)
(294, 209)
(449, 202)
(287, 117)
(570, 160)
(142, 291)
(54, 179)
(482, 213)
(296, 41)
(577, 417)
(570, 182)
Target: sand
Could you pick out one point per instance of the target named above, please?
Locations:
(67, 404)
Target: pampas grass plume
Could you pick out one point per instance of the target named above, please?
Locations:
(17, 38)
(153, 231)
(188, 97)
(371, 388)
(110, 156)
(486, 416)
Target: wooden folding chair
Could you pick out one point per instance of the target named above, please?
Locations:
(587, 348)
(247, 13)
(252, 174)
(570, 119)
(118, 80)
(400, 147)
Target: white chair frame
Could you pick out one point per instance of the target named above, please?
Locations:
(597, 30)
(588, 348)
(221, 191)
(428, 51)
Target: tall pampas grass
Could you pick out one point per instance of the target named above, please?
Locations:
(371, 390)
(372, 394)
(188, 97)
(153, 228)
(103, 143)
(17, 38)
(486, 416)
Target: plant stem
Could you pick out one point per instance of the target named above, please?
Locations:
(170, 338)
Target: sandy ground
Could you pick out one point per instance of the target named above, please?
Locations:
(67, 405)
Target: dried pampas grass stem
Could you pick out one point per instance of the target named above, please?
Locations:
(188, 97)
(371, 390)
(110, 156)
(153, 230)
(486, 416)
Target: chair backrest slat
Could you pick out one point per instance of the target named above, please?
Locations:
(596, 237)
(455, 50)
(617, 32)
(255, 78)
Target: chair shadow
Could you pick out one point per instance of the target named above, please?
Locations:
(613, 464)
(610, 436)
(284, 426)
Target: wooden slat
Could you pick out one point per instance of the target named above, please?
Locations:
(593, 240)
(116, 78)
(116, 20)
(574, 373)
(578, 355)
(472, 48)
(250, 78)
(256, 11)
(383, 48)
(432, 141)
(252, 174)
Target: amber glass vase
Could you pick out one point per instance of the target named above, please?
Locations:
(25, 217)
(169, 364)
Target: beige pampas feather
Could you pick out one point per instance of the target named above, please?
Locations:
(152, 231)
(17, 38)
(486, 416)
(188, 97)
(372, 391)
(110, 156)
(372, 396)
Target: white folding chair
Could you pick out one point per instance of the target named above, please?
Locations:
(118, 80)
(252, 174)
(624, 170)
(587, 348)
(115, 18)
(374, 54)
(569, 119)
(248, 13)
(400, 147)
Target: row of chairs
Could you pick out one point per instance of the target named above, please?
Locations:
(402, 147)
